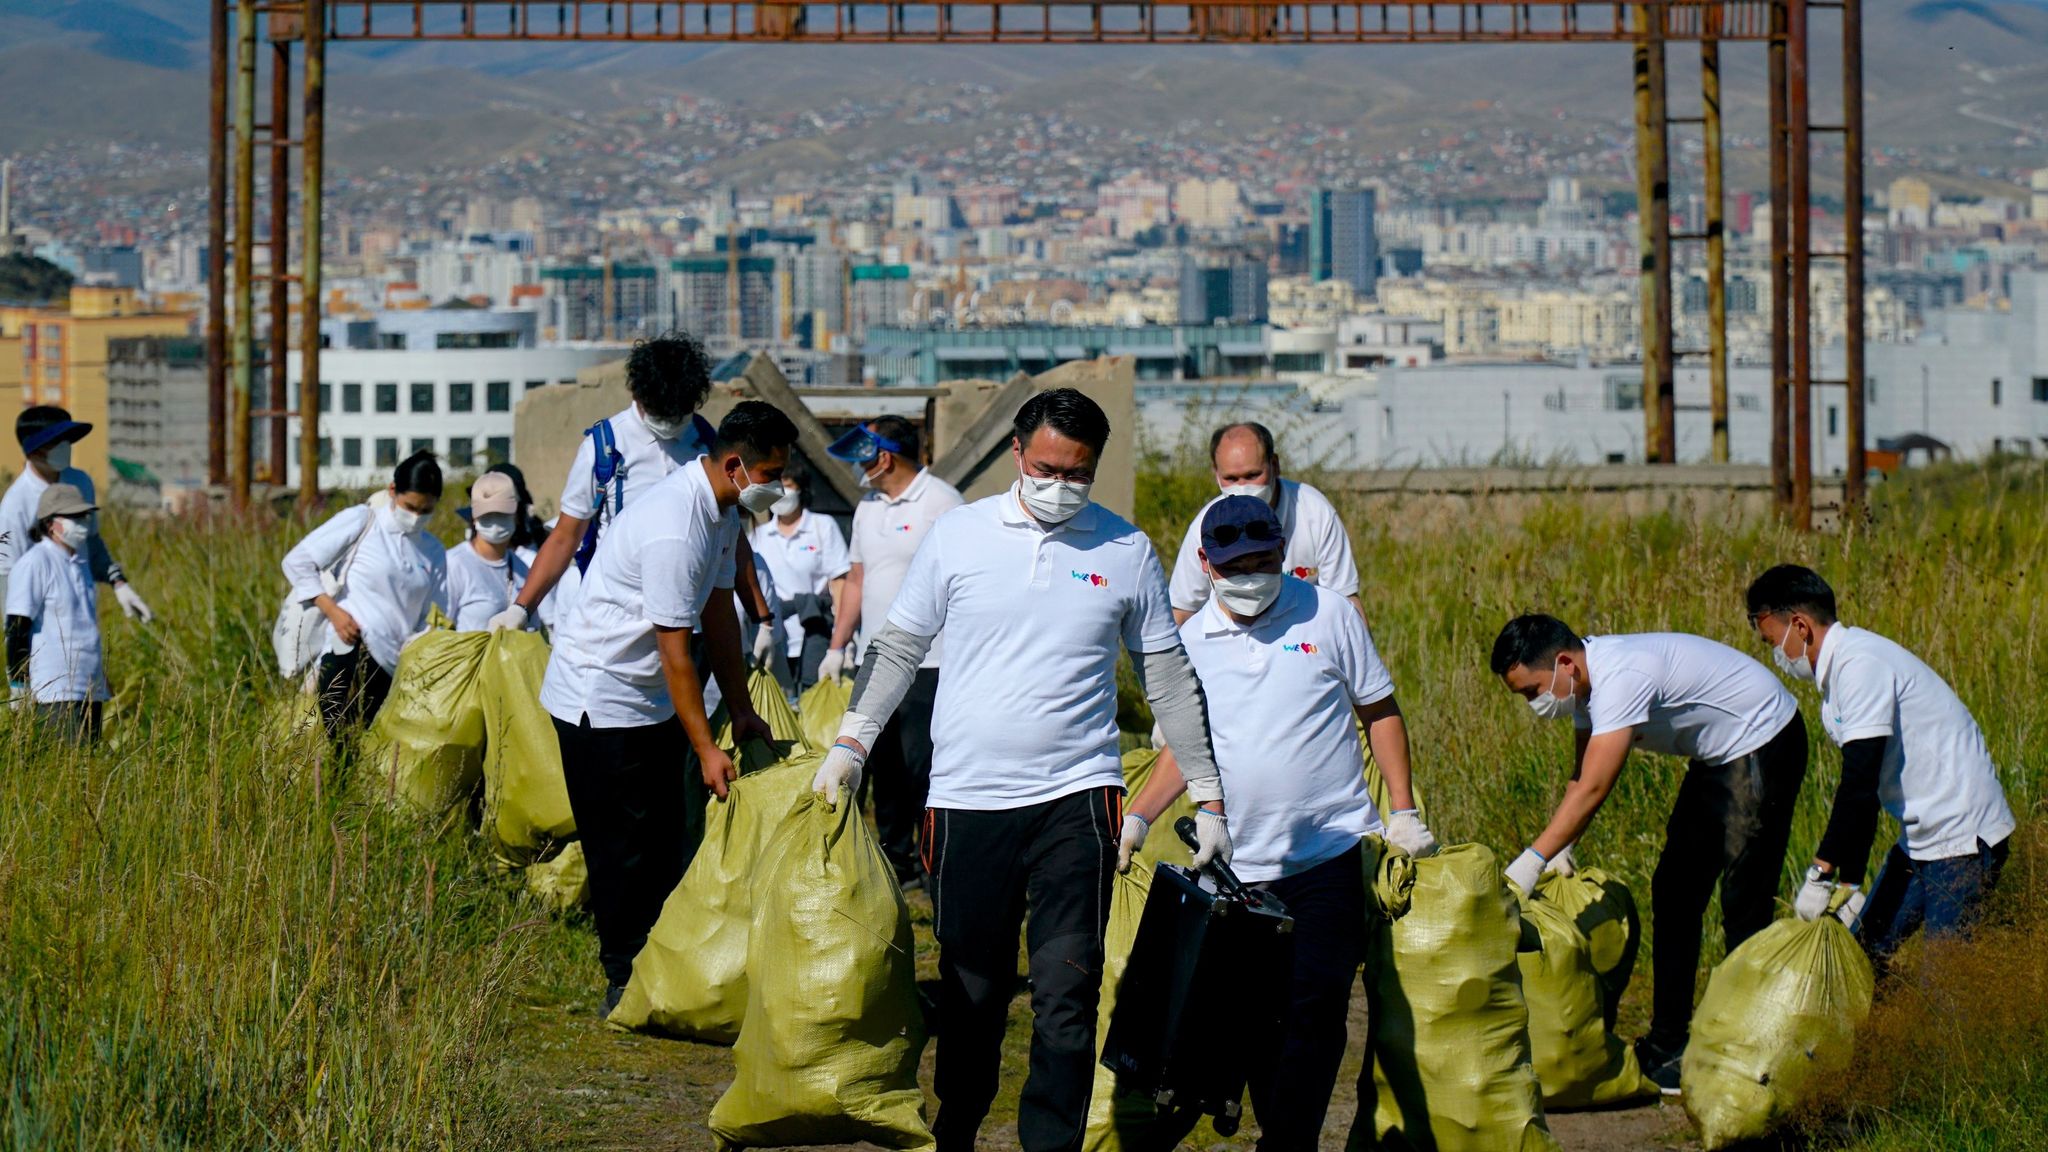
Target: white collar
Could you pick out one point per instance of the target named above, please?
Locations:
(910, 491)
(1828, 648)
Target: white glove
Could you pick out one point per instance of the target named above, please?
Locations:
(1812, 901)
(510, 620)
(834, 664)
(1526, 870)
(131, 602)
(1130, 840)
(839, 775)
(764, 644)
(1406, 831)
(1212, 838)
(1564, 863)
(1851, 911)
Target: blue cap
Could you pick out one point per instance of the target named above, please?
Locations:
(862, 446)
(1239, 526)
(45, 424)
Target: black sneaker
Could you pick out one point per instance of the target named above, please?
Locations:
(1660, 1065)
(612, 993)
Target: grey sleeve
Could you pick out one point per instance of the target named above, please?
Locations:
(885, 674)
(101, 561)
(1175, 693)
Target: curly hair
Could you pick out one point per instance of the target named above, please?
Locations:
(670, 375)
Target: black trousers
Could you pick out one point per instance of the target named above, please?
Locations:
(1291, 1089)
(626, 788)
(352, 688)
(1730, 824)
(899, 769)
(73, 721)
(1055, 862)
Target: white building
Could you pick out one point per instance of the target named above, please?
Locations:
(1976, 379)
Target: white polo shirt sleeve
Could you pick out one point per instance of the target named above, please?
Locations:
(727, 575)
(1621, 699)
(676, 575)
(1862, 700)
(27, 591)
(833, 561)
(920, 604)
(1365, 674)
(1190, 587)
(1148, 618)
(861, 511)
(579, 492)
(1317, 518)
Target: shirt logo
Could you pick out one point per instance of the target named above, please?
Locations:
(905, 527)
(1306, 647)
(1305, 574)
(1094, 578)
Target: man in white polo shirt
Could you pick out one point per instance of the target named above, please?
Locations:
(621, 676)
(1289, 668)
(1318, 550)
(1036, 589)
(1910, 746)
(903, 502)
(1745, 747)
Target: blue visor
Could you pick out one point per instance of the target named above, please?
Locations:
(862, 446)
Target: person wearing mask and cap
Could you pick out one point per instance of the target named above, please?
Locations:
(53, 629)
(1289, 667)
(1247, 463)
(1745, 749)
(1037, 589)
(484, 573)
(46, 434)
(807, 566)
(622, 679)
(622, 458)
(902, 503)
(391, 571)
(1909, 747)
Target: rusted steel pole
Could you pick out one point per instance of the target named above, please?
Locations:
(216, 253)
(1801, 207)
(1852, 262)
(1717, 276)
(1649, 264)
(280, 249)
(1781, 281)
(245, 243)
(1660, 223)
(312, 153)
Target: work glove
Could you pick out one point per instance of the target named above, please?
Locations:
(1130, 840)
(1817, 894)
(834, 664)
(1406, 831)
(1526, 870)
(1212, 838)
(131, 602)
(839, 775)
(764, 645)
(510, 620)
(1564, 863)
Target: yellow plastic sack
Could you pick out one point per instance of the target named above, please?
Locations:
(1376, 784)
(1450, 1037)
(1579, 1061)
(563, 884)
(828, 1051)
(690, 979)
(526, 800)
(426, 745)
(1780, 1015)
(822, 707)
(1603, 908)
(773, 707)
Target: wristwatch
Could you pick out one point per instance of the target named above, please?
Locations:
(1815, 875)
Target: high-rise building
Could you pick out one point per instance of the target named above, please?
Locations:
(573, 302)
(1226, 287)
(1132, 204)
(700, 290)
(156, 418)
(64, 359)
(1909, 203)
(881, 293)
(1210, 204)
(817, 292)
(988, 205)
(2037, 208)
(1341, 241)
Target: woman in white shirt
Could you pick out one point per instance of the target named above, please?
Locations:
(484, 572)
(806, 557)
(386, 573)
(53, 631)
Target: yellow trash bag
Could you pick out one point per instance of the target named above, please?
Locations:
(526, 800)
(1780, 1015)
(773, 707)
(828, 1051)
(1451, 1068)
(822, 707)
(1604, 909)
(690, 979)
(426, 745)
(1579, 1061)
(562, 884)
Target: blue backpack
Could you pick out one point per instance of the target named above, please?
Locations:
(608, 472)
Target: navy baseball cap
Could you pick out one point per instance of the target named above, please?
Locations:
(1239, 526)
(862, 445)
(45, 424)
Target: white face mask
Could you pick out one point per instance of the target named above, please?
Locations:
(1260, 492)
(495, 528)
(73, 531)
(1796, 667)
(788, 504)
(664, 429)
(1548, 705)
(867, 478)
(1248, 594)
(58, 456)
(1052, 501)
(408, 521)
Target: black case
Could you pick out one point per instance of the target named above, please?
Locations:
(1204, 994)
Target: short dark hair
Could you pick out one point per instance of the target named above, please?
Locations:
(1792, 588)
(1532, 640)
(799, 474)
(420, 473)
(1066, 412)
(755, 428)
(1264, 434)
(669, 375)
(897, 430)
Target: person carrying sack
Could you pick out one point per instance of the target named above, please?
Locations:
(484, 573)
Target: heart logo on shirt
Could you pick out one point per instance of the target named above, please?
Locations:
(1305, 647)
(1091, 578)
(904, 527)
(1304, 573)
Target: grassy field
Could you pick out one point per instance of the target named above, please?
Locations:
(212, 937)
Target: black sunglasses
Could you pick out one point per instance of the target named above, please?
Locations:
(1263, 531)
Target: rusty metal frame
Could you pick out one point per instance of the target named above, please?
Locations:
(1650, 25)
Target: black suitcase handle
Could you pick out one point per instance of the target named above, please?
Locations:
(1226, 880)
